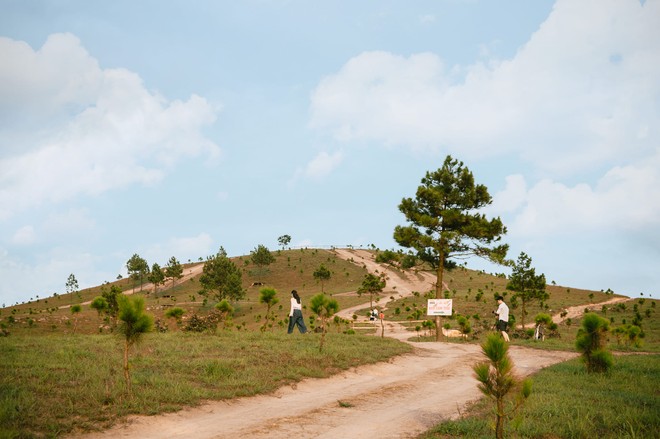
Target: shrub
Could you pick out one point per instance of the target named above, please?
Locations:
(591, 340)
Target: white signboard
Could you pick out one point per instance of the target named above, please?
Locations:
(438, 307)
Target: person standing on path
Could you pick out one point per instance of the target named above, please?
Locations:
(502, 317)
(295, 315)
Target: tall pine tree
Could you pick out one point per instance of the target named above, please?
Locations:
(445, 222)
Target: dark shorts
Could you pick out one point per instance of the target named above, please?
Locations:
(502, 325)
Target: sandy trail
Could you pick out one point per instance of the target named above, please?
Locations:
(188, 273)
(396, 399)
(399, 284)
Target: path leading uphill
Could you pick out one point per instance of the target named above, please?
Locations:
(188, 273)
(396, 399)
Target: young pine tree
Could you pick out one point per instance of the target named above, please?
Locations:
(324, 308)
(591, 340)
(134, 322)
(496, 380)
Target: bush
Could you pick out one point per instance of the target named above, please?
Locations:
(601, 360)
(591, 340)
(387, 257)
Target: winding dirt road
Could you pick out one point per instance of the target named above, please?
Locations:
(397, 399)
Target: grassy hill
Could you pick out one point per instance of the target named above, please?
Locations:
(292, 269)
(61, 372)
(472, 293)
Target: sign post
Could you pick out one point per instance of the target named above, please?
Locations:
(439, 307)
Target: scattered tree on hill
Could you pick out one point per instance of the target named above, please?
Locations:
(283, 241)
(262, 257)
(134, 323)
(75, 309)
(324, 307)
(71, 284)
(156, 277)
(111, 297)
(496, 380)
(221, 277)
(446, 222)
(528, 287)
(138, 268)
(174, 270)
(267, 296)
(99, 304)
(372, 285)
(591, 341)
(322, 274)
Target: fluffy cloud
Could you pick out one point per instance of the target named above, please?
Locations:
(100, 129)
(323, 164)
(24, 236)
(577, 104)
(319, 167)
(581, 93)
(624, 199)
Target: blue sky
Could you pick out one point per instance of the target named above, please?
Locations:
(171, 128)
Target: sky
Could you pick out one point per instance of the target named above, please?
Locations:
(171, 128)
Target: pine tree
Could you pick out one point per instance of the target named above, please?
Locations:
(446, 223)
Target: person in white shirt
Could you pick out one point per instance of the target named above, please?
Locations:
(502, 317)
(295, 314)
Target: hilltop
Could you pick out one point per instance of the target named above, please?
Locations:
(472, 293)
(292, 269)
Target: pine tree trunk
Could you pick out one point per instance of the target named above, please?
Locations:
(438, 292)
(499, 427)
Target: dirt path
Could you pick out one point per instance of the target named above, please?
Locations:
(399, 284)
(396, 399)
(188, 273)
(574, 312)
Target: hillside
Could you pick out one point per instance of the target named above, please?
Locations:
(403, 298)
(405, 395)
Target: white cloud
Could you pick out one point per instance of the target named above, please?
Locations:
(624, 199)
(319, 167)
(24, 236)
(575, 112)
(512, 197)
(582, 92)
(102, 129)
(323, 164)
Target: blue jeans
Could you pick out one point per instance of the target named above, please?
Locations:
(297, 320)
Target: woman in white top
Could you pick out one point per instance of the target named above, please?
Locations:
(502, 317)
(295, 315)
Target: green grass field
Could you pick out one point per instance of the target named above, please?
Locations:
(567, 402)
(58, 383)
